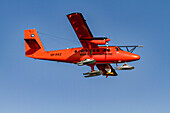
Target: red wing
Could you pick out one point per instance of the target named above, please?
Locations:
(82, 30)
(107, 69)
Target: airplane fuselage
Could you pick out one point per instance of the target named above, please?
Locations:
(102, 54)
(91, 53)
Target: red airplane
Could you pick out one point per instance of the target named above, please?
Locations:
(91, 54)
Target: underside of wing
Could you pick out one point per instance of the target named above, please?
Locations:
(80, 26)
(81, 29)
(107, 69)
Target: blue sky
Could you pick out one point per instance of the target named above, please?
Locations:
(33, 86)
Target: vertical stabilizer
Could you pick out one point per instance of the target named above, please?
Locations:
(33, 43)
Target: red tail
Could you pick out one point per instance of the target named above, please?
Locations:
(33, 43)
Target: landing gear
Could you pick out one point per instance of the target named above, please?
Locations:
(86, 62)
(93, 72)
(125, 66)
(92, 67)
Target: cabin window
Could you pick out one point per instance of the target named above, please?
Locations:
(108, 50)
(82, 50)
(75, 51)
(85, 50)
(93, 50)
(97, 50)
(104, 50)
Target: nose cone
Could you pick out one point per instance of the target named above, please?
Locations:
(136, 57)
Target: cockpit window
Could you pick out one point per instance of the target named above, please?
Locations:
(116, 48)
(120, 49)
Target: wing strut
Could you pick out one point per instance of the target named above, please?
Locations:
(132, 48)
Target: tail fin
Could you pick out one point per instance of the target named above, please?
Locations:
(33, 43)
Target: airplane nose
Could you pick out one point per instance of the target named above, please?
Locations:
(136, 57)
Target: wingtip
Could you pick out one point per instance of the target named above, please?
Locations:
(140, 45)
(74, 13)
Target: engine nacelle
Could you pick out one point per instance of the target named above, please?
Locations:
(99, 41)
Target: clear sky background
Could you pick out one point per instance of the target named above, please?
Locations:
(34, 86)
